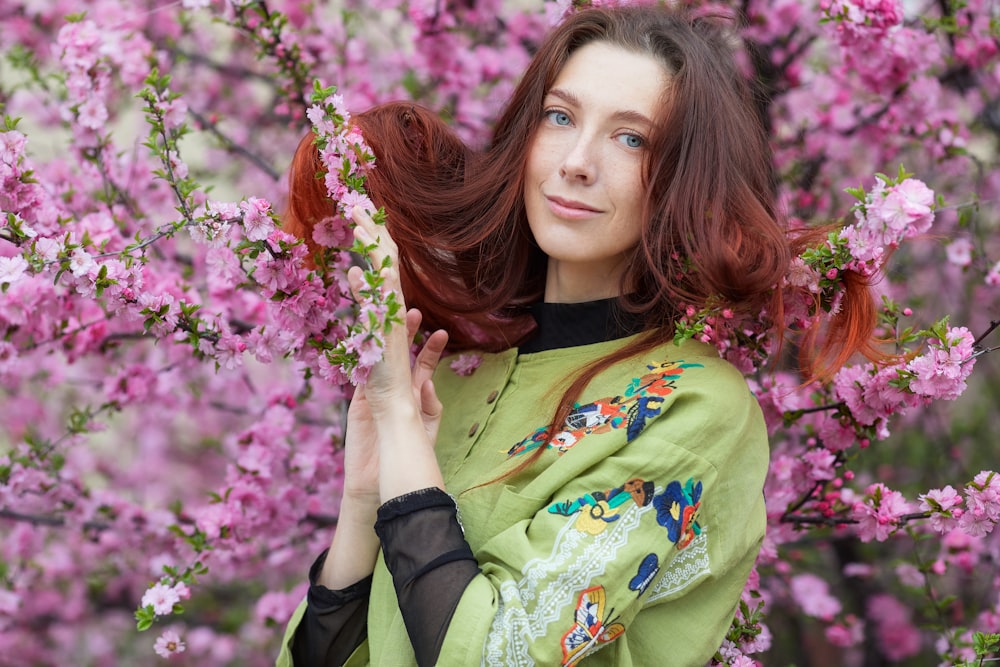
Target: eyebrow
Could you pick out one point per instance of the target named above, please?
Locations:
(623, 114)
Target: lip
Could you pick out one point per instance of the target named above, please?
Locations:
(570, 208)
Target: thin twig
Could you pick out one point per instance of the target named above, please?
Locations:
(993, 325)
(233, 147)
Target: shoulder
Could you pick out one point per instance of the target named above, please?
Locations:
(688, 398)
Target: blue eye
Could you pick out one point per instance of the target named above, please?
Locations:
(631, 140)
(558, 117)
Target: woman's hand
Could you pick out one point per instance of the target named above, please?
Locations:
(361, 452)
(400, 399)
(398, 390)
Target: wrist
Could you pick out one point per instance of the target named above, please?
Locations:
(355, 545)
(359, 507)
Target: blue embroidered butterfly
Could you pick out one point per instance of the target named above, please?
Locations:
(648, 568)
(591, 627)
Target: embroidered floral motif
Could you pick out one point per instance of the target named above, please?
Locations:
(599, 508)
(648, 568)
(638, 404)
(677, 511)
(591, 627)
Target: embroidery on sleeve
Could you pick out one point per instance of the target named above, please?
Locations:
(638, 404)
(687, 567)
(677, 511)
(528, 606)
(599, 508)
(591, 627)
(648, 569)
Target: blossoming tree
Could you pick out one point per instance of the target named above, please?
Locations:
(173, 376)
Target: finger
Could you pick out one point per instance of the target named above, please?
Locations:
(366, 231)
(428, 357)
(430, 408)
(356, 281)
(376, 253)
(413, 318)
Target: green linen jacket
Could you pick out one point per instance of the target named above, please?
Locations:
(627, 543)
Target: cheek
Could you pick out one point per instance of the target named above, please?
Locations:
(630, 195)
(538, 164)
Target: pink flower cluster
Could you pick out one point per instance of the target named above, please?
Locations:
(858, 20)
(981, 511)
(889, 214)
(874, 393)
(880, 513)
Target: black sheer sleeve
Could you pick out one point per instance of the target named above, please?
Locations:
(431, 564)
(335, 622)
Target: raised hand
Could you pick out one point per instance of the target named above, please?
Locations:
(403, 406)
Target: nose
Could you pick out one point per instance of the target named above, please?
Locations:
(579, 163)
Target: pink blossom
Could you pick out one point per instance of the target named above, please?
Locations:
(466, 364)
(801, 275)
(332, 232)
(959, 252)
(12, 145)
(277, 607)
(982, 505)
(257, 223)
(92, 114)
(849, 633)
(864, 19)
(162, 598)
(859, 570)
(229, 351)
(821, 463)
(174, 112)
(812, 595)
(865, 244)
(317, 116)
(849, 386)
(835, 433)
(943, 506)
(168, 644)
(942, 370)
(214, 519)
(134, 383)
(48, 248)
(352, 198)
(367, 346)
(178, 168)
(12, 269)
(909, 575)
(993, 275)
(878, 514)
(908, 208)
(81, 263)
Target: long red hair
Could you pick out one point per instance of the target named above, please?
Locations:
(710, 227)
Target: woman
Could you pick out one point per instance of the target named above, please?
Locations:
(608, 482)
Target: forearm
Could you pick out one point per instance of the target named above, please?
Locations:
(354, 547)
(407, 460)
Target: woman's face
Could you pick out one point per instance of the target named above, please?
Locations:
(583, 188)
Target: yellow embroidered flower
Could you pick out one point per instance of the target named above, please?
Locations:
(593, 519)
